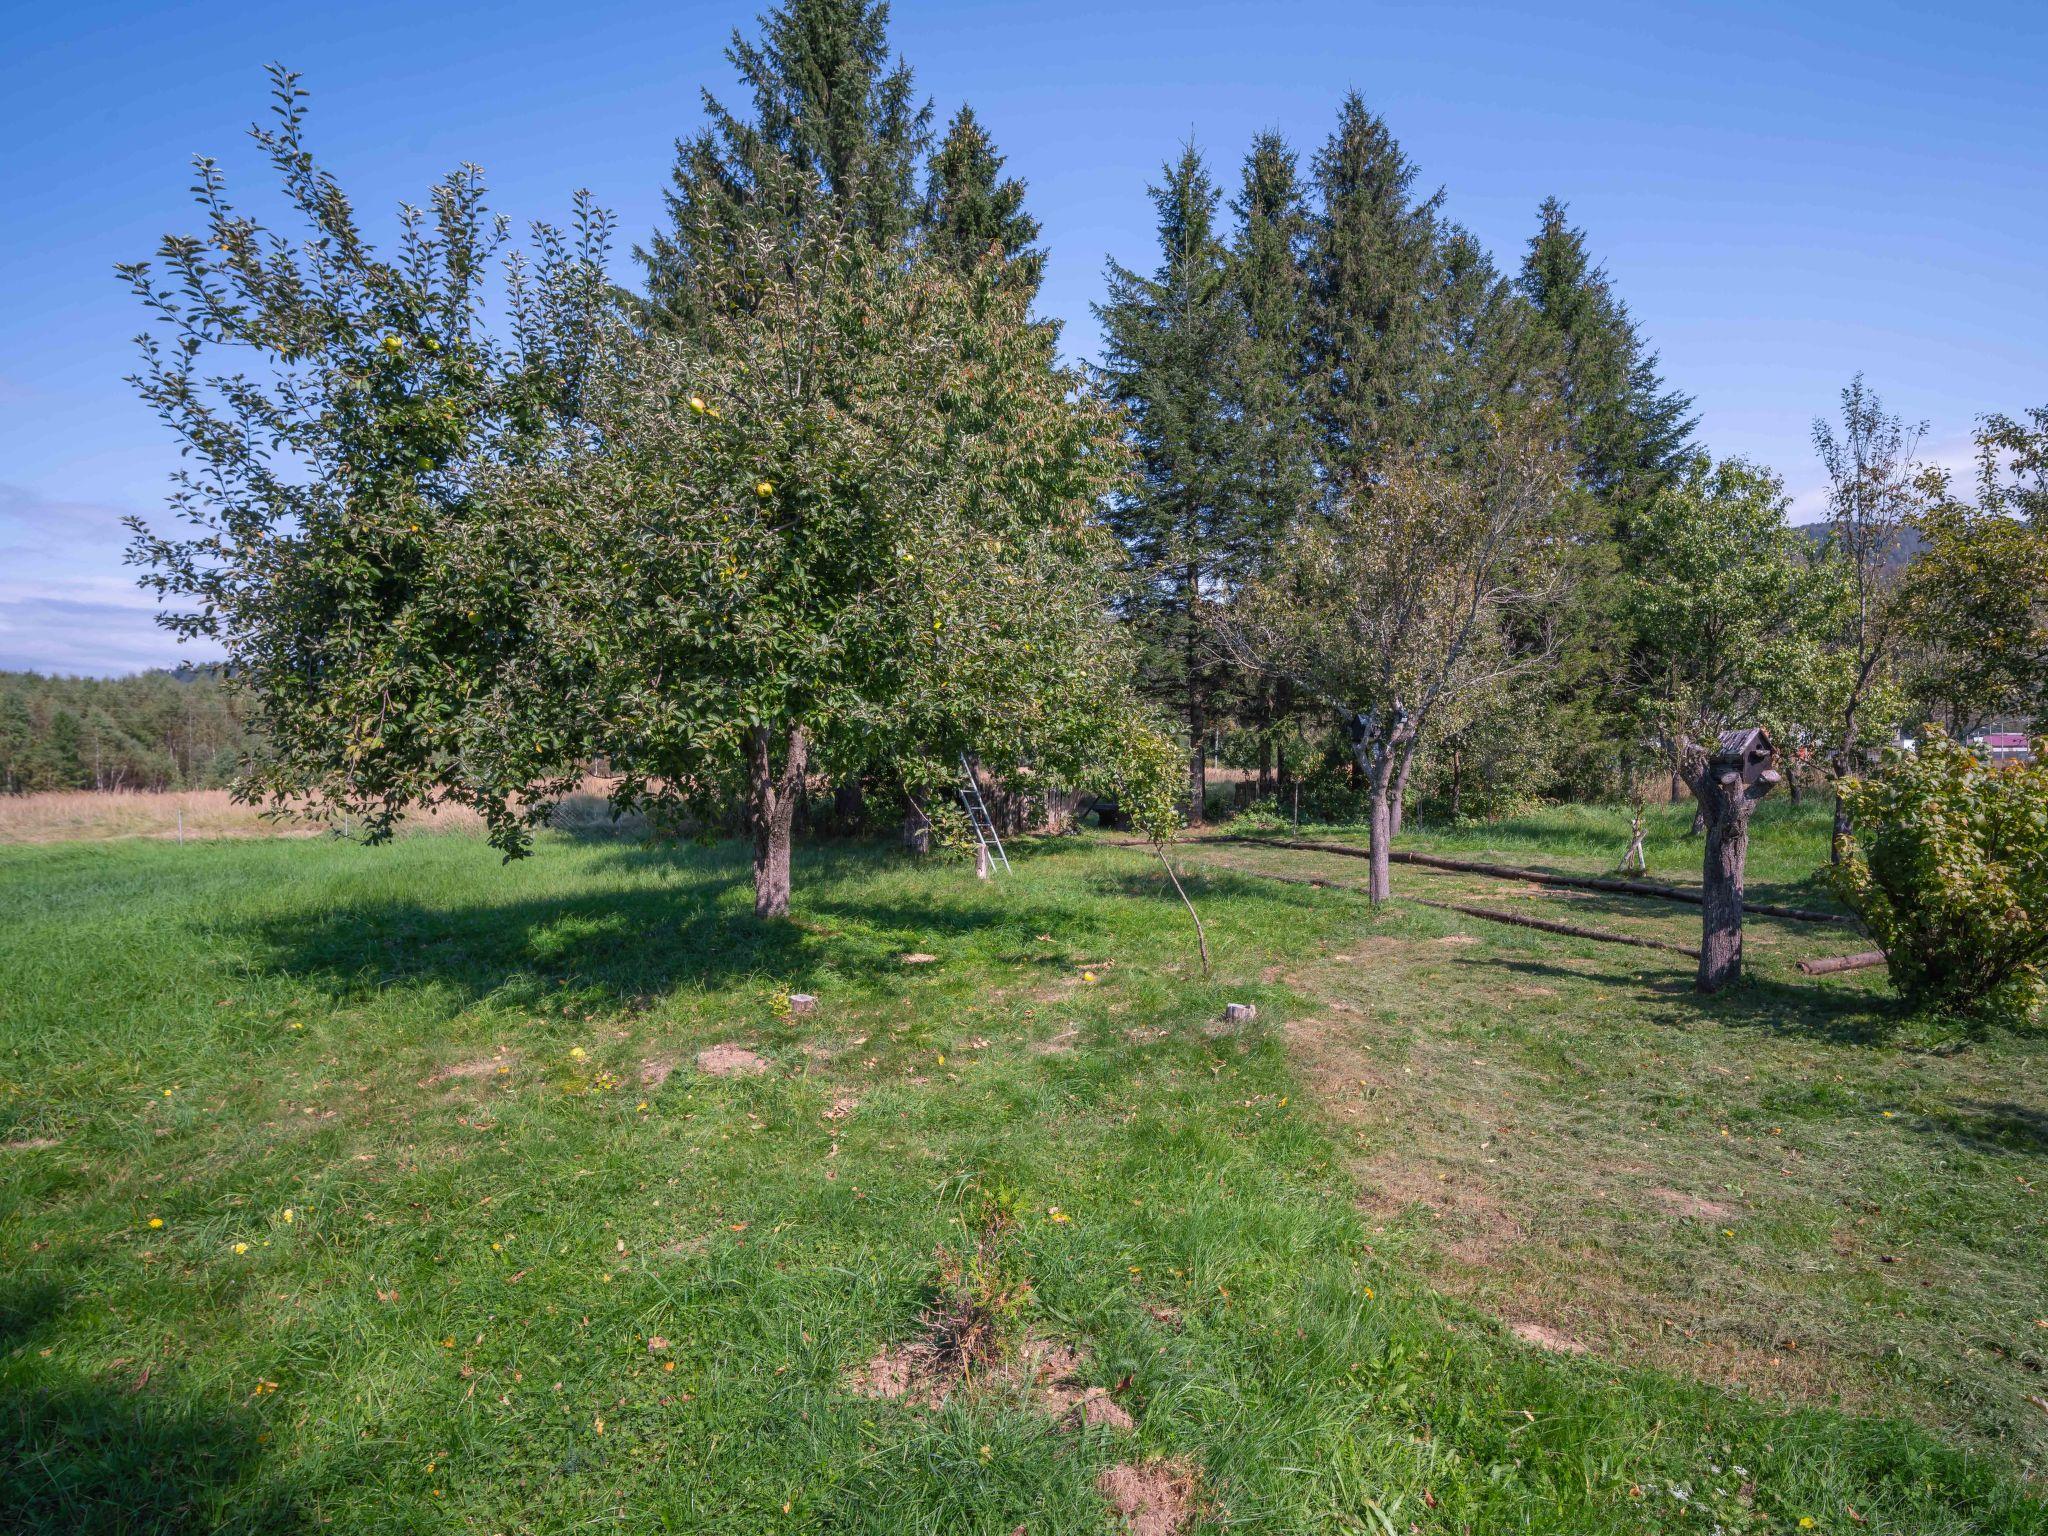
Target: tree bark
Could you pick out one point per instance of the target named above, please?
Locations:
(1726, 799)
(1198, 764)
(1380, 877)
(1398, 808)
(772, 810)
(917, 828)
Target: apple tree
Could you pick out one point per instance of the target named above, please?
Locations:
(846, 524)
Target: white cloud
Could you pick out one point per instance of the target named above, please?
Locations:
(67, 601)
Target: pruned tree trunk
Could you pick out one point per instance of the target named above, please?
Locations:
(1727, 787)
(1198, 765)
(981, 866)
(773, 796)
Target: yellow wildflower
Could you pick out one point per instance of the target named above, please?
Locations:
(156, 1221)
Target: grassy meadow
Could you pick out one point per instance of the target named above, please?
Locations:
(380, 1189)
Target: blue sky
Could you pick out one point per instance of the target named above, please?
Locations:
(1784, 193)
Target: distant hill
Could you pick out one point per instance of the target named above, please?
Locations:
(1910, 542)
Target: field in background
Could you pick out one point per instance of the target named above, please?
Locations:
(380, 1187)
(73, 815)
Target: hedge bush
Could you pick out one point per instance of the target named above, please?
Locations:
(1948, 868)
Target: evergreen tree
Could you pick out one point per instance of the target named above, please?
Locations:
(1169, 343)
(1629, 432)
(1277, 481)
(828, 101)
(1372, 266)
(973, 209)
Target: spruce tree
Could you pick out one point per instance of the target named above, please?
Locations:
(827, 100)
(972, 209)
(1169, 343)
(1276, 481)
(1630, 433)
(1372, 264)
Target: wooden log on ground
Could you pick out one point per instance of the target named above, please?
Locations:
(1827, 965)
(1541, 877)
(1570, 930)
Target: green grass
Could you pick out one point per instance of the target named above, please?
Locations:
(475, 1264)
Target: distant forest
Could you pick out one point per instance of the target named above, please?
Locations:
(154, 731)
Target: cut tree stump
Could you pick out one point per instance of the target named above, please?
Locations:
(802, 1002)
(1239, 1013)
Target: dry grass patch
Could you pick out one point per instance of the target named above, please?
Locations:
(731, 1061)
(1155, 1498)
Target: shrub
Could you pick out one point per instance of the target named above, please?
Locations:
(1948, 868)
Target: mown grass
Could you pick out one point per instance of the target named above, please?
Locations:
(452, 1328)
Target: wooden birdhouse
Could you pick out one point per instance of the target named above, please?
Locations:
(1748, 754)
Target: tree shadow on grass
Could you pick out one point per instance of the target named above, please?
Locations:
(1664, 995)
(1996, 1127)
(685, 922)
(80, 1454)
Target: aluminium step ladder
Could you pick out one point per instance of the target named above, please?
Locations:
(978, 818)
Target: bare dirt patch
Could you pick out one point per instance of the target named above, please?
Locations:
(841, 1106)
(1472, 1226)
(1545, 1337)
(1155, 1498)
(29, 1144)
(1457, 938)
(656, 1070)
(918, 958)
(469, 1071)
(1696, 1206)
(730, 1061)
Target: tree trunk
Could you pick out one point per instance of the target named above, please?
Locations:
(849, 807)
(981, 867)
(1726, 797)
(1380, 879)
(1721, 910)
(772, 809)
(1838, 843)
(1198, 764)
(917, 828)
(1398, 808)
(1265, 767)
